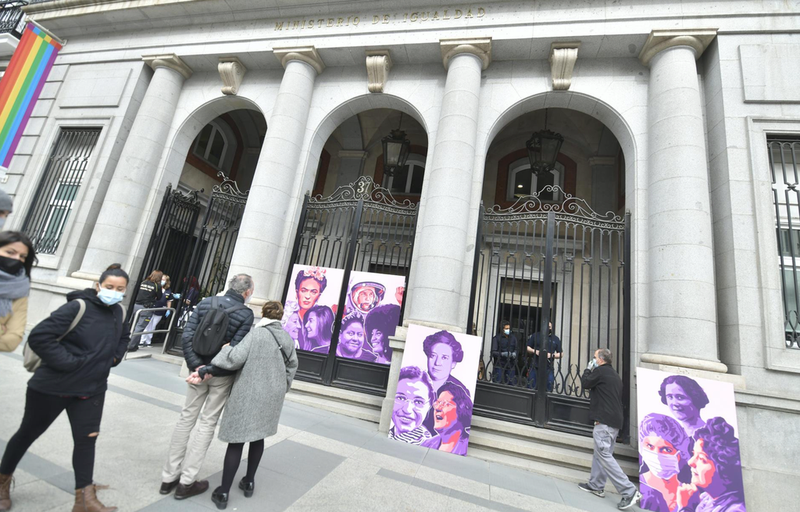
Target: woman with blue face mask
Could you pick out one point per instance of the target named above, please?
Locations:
(664, 451)
(73, 376)
(16, 259)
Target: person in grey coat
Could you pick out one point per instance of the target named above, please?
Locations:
(267, 361)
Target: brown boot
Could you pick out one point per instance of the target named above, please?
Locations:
(86, 501)
(5, 492)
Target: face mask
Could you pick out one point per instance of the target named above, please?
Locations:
(10, 265)
(110, 297)
(163, 283)
(662, 465)
(507, 331)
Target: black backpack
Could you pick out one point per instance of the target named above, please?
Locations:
(213, 328)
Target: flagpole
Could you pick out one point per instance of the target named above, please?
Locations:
(57, 39)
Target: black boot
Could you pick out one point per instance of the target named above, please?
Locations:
(220, 498)
(247, 487)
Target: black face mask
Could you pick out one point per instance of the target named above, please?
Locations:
(10, 265)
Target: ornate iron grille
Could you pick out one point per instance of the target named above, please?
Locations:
(58, 188)
(12, 19)
(539, 262)
(358, 227)
(784, 155)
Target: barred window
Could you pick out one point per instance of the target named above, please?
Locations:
(61, 181)
(784, 157)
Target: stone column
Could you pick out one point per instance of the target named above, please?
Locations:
(115, 231)
(264, 231)
(444, 238)
(682, 323)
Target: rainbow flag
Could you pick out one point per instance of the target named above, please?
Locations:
(21, 85)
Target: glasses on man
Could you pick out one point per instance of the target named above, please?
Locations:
(417, 403)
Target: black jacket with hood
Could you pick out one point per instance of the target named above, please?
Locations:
(78, 365)
(240, 322)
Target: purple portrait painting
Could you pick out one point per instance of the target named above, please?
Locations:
(372, 312)
(310, 305)
(433, 402)
(689, 458)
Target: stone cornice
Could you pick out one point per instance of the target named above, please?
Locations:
(660, 40)
(168, 60)
(481, 48)
(307, 54)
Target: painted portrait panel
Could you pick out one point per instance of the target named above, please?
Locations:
(372, 312)
(310, 306)
(689, 458)
(435, 390)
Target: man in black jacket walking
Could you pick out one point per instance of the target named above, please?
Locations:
(605, 409)
(185, 459)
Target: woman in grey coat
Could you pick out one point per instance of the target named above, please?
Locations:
(267, 362)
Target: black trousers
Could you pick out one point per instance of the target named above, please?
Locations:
(40, 412)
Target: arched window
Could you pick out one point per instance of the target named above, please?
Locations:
(211, 145)
(524, 182)
(408, 180)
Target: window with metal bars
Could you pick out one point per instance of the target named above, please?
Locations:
(58, 188)
(784, 155)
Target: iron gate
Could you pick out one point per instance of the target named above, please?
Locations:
(537, 262)
(359, 227)
(171, 241)
(211, 255)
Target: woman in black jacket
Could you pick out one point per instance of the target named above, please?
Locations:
(73, 376)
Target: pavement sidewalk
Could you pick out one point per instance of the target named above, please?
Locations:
(318, 460)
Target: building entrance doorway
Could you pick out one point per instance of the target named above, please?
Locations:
(360, 227)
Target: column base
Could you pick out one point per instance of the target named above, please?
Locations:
(711, 370)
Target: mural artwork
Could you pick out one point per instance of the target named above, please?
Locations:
(310, 306)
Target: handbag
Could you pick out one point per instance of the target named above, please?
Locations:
(280, 349)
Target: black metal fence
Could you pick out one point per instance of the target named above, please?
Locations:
(62, 178)
(784, 155)
(359, 227)
(538, 263)
(12, 19)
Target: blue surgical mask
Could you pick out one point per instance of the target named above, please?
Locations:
(507, 331)
(110, 297)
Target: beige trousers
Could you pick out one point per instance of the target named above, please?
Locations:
(204, 401)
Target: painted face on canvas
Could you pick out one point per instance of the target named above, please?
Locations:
(308, 293)
(445, 413)
(703, 468)
(352, 337)
(312, 326)
(656, 444)
(411, 405)
(440, 362)
(365, 299)
(680, 404)
(377, 339)
(293, 326)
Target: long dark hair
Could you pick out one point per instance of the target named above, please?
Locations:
(10, 237)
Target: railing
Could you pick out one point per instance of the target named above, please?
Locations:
(785, 169)
(12, 18)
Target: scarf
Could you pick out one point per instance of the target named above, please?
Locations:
(11, 289)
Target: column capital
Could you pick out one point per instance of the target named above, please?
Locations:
(660, 40)
(168, 60)
(481, 48)
(307, 54)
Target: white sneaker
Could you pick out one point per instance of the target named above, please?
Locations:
(629, 501)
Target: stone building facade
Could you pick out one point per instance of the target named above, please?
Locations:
(667, 109)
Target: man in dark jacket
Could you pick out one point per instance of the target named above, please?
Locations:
(504, 356)
(552, 349)
(605, 410)
(185, 459)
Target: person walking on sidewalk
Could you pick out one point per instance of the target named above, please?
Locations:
(206, 399)
(16, 259)
(73, 375)
(266, 362)
(148, 294)
(605, 409)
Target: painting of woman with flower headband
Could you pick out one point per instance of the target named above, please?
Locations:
(372, 312)
(310, 306)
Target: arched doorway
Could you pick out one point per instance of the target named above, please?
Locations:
(358, 221)
(197, 226)
(551, 249)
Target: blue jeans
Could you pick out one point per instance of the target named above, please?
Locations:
(532, 379)
(505, 374)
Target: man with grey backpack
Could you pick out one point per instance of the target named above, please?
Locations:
(215, 322)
